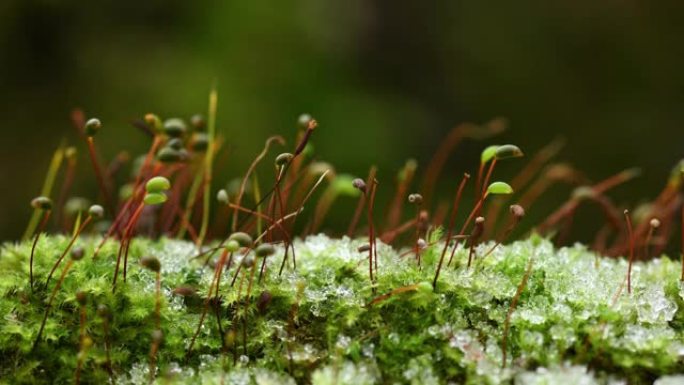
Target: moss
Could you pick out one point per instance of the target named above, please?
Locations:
(318, 326)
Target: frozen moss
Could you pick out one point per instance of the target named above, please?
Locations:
(321, 325)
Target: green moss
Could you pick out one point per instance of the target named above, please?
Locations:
(564, 327)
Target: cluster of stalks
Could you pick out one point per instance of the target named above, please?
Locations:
(247, 227)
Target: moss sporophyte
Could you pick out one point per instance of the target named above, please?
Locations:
(247, 290)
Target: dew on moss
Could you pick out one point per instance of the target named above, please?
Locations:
(243, 360)
(419, 371)
(565, 374)
(653, 306)
(670, 380)
(454, 332)
(531, 315)
(346, 373)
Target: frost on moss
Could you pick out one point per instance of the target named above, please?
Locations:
(320, 327)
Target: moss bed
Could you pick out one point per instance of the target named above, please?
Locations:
(322, 325)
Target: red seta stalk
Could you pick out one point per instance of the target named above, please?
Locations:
(41, 228)
(630, 234)
(66, 250)
(125, 243)
(450, 229)
(99, 175)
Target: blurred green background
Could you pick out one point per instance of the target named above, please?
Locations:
(385, 79)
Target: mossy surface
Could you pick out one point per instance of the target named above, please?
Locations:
(319, 327)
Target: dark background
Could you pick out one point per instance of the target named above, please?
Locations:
(386, 80)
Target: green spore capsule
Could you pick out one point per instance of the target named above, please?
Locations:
(175, 143)
(359, 184)
(152, 199)
(154, 122)
(170, 155)
(303, 121)
(175, 127)
(77, 253)
(499, 188)
(184, 291)
(488, 153)
(508, 151)
(151, 263)
(41, 203)
(92, 126)
(200, 142)
(264, 250)
(232, 246)
(283, 159)
(96, 211)
(222, 197)
(157, 184)
(243, 239)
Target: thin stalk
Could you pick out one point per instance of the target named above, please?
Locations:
(441, 155)
(400, 290)
(138, 195)
(417, 235)
(214, 284)
(82, 346)
(124, 244)
(257, 197)
(474, 238)
(157, 300)
(208, 165)
(654, 224)
(511, 309)
(524, 178)
(450, 229)
(301, 207)
(154, 348)
(99, 175)
(41, 228)
(630, 234)
(51, 300)
(66, 187)
(404, 181)
(571, 204)
(47, 188)
(361, 203)
(517, 213)
(128, 235)
(371, 231)
(250, 170)
(108, 358)
(191, 199)
(484, 185)
(66, 250)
